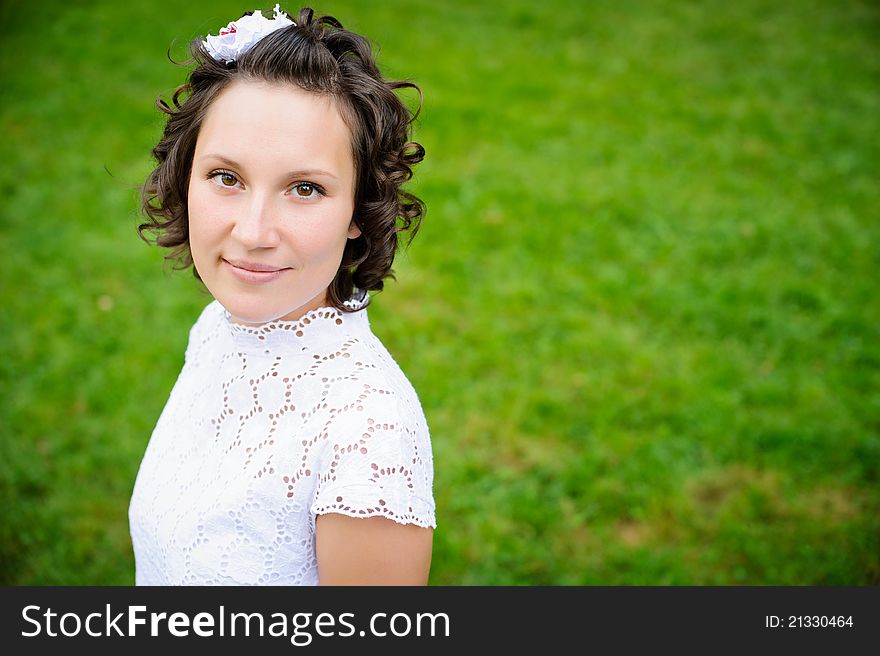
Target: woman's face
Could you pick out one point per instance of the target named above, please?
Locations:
(272, 184)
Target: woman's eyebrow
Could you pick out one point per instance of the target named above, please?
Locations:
(310, 173)
(292, 174)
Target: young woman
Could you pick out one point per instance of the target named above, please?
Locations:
(292, 449)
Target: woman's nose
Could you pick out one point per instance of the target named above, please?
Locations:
(256, 226)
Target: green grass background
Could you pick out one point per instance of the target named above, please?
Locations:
(641, 314)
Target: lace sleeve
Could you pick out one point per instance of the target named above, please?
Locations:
(378, 467)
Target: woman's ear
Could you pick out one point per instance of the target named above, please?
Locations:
(353, 231)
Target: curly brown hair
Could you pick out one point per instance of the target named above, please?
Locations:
(317, 55)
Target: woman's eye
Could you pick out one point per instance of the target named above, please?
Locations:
(224, 179)
(305, 189)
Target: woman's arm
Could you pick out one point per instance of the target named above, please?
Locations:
(371, 551)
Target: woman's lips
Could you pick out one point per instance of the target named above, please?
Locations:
(246, 275)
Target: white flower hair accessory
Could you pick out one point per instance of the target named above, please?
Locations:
(238, 36)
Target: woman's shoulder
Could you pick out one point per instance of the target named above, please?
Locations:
(205, 327)
(377, 445)
(365, 384)
(378, 380)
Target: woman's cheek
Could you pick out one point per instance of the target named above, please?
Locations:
(206, 216)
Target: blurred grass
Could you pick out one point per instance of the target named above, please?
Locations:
(641, 314)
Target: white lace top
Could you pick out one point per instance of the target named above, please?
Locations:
(265, 428)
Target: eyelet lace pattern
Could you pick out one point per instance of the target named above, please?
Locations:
(265, 428)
